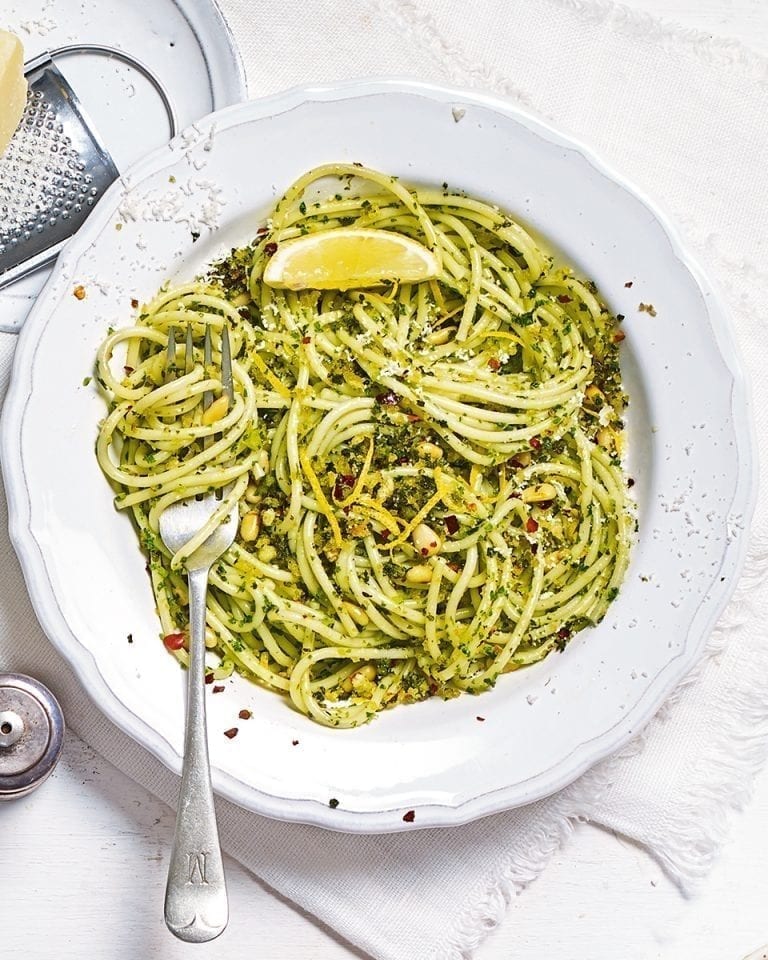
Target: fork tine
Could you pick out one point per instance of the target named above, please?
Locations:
(189, 351)
(226, 377)
(170, 358)
(226, 365)
(207, 361)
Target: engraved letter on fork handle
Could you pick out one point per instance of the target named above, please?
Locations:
(196, 906)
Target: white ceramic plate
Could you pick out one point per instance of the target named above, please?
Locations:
(690, 455)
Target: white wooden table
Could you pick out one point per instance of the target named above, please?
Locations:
(83, 861)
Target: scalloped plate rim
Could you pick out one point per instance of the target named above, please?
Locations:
(312, 811)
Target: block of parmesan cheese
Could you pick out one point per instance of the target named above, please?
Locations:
(13, 86)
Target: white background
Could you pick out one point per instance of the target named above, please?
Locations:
(83, 861)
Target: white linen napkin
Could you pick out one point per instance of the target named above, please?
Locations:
(684, 117)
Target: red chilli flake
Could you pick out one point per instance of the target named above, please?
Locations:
(245, 714)
(564, 633)
(209, 678)
(261, 231)
(410, 816)
(134, 303)
(218, 689)
(294, 743)
(344, 483)
(531, 525)
(630, 482)
(451, 524)
(494, 364)
(481, 719)
(388, 399)
(270, 249)
(535, 443)
(564, 298)
(174, 641)
(306, 339)
(619, 336)
(231, 733)
(628, 283)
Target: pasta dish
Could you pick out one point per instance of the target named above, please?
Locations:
(428, 472)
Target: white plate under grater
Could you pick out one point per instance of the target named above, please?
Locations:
(185, 44)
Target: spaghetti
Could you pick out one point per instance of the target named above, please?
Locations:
(428, 475)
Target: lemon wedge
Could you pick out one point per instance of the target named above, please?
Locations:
(13, 86)
(348, 257)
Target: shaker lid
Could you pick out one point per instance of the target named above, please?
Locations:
(31, 734)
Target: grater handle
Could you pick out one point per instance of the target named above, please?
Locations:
(113, 53)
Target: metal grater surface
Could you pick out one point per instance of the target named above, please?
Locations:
(53, 172)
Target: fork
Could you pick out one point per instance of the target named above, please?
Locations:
(196, 908)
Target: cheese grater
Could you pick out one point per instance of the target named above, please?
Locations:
(55, 167)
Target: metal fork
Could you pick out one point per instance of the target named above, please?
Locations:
(196, 908)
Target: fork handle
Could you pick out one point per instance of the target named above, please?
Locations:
(196, 908)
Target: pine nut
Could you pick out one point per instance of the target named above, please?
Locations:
(354, 680)
(544, 491)
(267, 553)
(367, 672)
(594, 395)
(211, 640)
(430, 451)
(605, 438)
(249, 526)
(263, 460)
(216, 411)
(426, 541)
(359, 615)
(268, 517)
(522, 459)
(441, 336)
(420, 574)
(251, 494)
